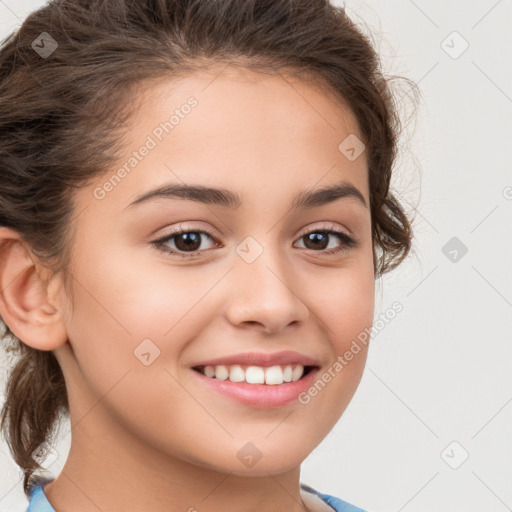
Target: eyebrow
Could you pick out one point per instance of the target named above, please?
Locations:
(223, 197)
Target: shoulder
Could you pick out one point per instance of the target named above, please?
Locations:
(37, 500)
(340, 505)
(337, 504)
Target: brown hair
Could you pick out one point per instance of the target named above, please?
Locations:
(62, 117)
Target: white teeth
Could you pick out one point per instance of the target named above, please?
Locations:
(221, 372)
(255, 375)
(209, 371)
(297, 372)
(272, 375)
(236, 374)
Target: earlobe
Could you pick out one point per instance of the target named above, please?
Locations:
(25, 305)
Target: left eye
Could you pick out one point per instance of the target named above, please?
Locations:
(321, 236)
(187, 243)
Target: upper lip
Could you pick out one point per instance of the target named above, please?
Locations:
(261, 359)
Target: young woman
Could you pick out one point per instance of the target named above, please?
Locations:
(194, 207)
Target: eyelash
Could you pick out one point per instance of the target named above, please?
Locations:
(347, 242)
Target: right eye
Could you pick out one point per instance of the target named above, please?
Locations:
(186, 242)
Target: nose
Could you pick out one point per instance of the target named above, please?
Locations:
(265, 294)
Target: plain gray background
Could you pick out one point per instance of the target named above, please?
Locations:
(429, 426)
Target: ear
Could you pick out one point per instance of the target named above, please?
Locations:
(26, 303)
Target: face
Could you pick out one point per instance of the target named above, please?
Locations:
(259, 273)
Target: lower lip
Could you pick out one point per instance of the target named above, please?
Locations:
(261, 395)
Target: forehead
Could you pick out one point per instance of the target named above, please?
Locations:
(246, 131)
(233, 97)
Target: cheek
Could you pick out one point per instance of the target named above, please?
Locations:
(349, 317)
(127, 308)
(350, 310)
(132, 295)
(343, 300)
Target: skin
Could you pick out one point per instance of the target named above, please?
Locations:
(153, 437)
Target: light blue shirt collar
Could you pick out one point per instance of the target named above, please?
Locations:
(39, 503)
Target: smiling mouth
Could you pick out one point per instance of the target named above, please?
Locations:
(251, 374)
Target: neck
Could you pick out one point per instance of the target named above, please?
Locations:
(111, 469)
